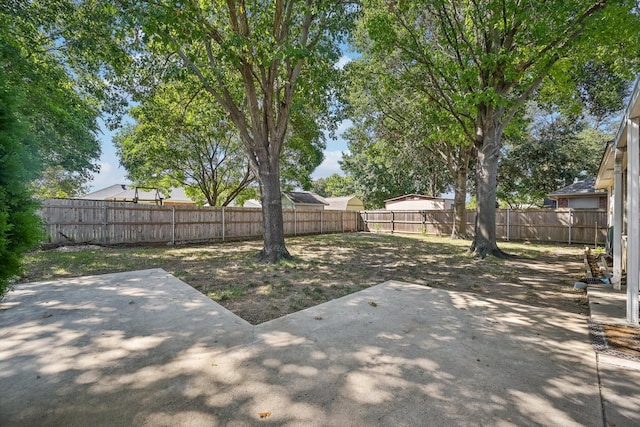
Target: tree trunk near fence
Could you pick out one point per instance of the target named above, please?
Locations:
(274, 248)
(487, 156)
(459, 227)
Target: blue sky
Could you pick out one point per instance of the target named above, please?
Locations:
(112, 173)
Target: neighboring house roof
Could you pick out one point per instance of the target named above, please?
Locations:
(305, 198)
(121, 192)
(341, 203)
(124, 193)
(252, 203)
(412, 197)
(178, 195)
(584, 188)
(295, 197)
(106, 193)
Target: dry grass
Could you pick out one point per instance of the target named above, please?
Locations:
(326, 267)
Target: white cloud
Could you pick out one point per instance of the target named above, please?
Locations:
(106, 168)
(329, 166)
(344, 60)
(344, 126)
(109, 175)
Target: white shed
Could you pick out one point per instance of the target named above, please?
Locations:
(418, 202)
(347, 203)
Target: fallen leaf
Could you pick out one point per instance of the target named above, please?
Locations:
(214, 364)
(264, 414)
(373, 304)
(318, 318)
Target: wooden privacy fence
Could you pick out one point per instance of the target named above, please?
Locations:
(105, 222)
(537, 225)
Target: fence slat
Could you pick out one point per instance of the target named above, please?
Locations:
(536, 225)
(105, 222)
(93, 221)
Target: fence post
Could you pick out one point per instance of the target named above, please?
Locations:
(173, 225)
(123, 230)
(570, 222)
(223, 223)
(392, 222)
(295, 222)
(104, 224)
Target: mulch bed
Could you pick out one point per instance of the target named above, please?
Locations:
(623, 338)
(616, 340)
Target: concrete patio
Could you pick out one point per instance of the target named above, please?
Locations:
(143, 348)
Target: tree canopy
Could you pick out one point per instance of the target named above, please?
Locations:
(262, 62)
(48, 127)
(550, 155)
(426, 152)
(480, 61)
(19, 166)
(180, 139)
(559, 142)
(61, 116)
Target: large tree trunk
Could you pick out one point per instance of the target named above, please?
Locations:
(487, 156)
(274, 248)
(459, 229)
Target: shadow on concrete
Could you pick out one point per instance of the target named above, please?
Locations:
(143, 348)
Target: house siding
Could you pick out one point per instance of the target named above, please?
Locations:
(583, 202)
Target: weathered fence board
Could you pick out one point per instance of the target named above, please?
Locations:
(536, 225)
(79, 221)
(104, 222)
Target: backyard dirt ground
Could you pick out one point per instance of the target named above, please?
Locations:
(326, 267)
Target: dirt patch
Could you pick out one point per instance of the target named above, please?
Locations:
(327, 267)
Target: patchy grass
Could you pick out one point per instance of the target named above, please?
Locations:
(326, 267)
(232, 292)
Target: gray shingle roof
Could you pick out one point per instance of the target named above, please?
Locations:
(305, 197)
(413, 196)
(178, 195)
(578, 188)
(106, 193)
(122, 192)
